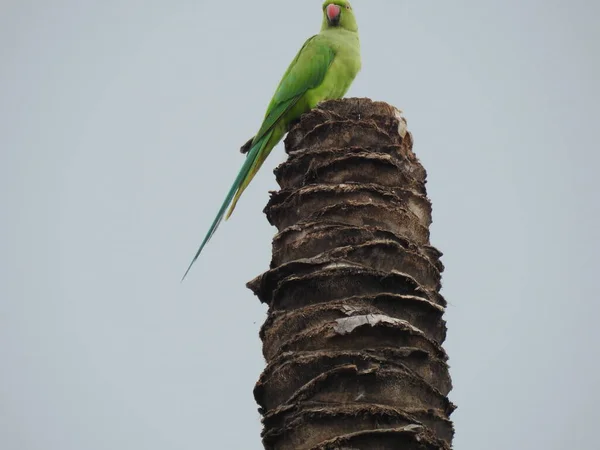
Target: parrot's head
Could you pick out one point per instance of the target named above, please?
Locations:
(339, 13)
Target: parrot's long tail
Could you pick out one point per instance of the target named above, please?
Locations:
(254, 158)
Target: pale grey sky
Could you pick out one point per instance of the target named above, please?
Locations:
(120, 123)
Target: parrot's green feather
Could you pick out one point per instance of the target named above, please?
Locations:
(256, 148)
(306, 71)
(323, 69)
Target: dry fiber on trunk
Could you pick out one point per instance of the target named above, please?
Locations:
(354, 332)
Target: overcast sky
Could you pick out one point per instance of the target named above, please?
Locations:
(120, 124)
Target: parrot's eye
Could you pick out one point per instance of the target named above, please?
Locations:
(348, 7)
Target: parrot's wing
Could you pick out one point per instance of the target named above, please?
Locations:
(306, 72)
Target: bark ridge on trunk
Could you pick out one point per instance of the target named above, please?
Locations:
(354, 329)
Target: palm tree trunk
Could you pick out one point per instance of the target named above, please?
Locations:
(354, 332)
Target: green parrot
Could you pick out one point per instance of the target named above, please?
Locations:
(322, 70)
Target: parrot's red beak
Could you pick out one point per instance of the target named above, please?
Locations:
(333, 12)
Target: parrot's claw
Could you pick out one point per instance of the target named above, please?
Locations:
(247, 146)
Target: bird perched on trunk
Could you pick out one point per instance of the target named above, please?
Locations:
(322, 70)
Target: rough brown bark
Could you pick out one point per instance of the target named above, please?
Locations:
(354, 332)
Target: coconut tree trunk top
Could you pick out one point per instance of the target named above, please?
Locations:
(354, 328)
